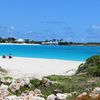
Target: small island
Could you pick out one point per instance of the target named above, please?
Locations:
(13, 40)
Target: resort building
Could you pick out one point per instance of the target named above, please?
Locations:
(50, 43)
(20, 40)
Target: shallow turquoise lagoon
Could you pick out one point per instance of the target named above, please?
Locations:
(79, 53)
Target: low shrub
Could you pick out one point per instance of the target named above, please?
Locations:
(91, 66)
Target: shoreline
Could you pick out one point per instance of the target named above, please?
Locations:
(18, 44)
(37, 67)
(49, 45)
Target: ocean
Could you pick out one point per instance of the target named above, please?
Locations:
(78, 53)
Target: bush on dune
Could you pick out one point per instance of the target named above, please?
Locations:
(91, 66)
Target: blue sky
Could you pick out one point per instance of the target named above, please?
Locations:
(72, 20)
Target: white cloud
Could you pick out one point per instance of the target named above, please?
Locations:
(12, 28)
(95, 26)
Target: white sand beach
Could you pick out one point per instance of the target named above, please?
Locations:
(18, 44)
(37, 67)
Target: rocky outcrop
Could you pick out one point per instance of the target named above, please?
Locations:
(8, 91)
(16, 84)
(93, 95)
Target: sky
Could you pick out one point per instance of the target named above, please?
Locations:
(71, 20)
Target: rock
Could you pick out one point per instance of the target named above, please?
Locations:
(51, 97)
(22, 98)
(82, 94)
(14, 97)
(1, 98)
(58, 96)
(32, 92)
(93, 95)
(14, 86)
(57, 91)
(61, 96)
(68, 94)
(4, 90)
(30, 85)
(37, 92)
(96, 90)
(3, 87)
(23, 94)
(74, 93)
(30, 96)
(46, 82)
(37, 98)
(26, 81)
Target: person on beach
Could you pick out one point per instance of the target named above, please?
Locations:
(10, 56)
(3, 56)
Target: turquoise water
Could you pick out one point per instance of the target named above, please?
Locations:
(79, 53)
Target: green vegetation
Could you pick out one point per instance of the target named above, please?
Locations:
(69, 84)
(78, 83)
(35, 83)
(7, 40)
(8, 78)
(91, 66)
(22, 89)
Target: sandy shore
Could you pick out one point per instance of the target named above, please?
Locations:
(18, 44)
(37, 67)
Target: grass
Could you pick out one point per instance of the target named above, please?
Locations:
(8, 78)
(67, 84)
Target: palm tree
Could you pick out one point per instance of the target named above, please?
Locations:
(1, 40)
(10, 40)
(27, 41)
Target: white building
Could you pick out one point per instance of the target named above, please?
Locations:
(20, 40)
(50, 43)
